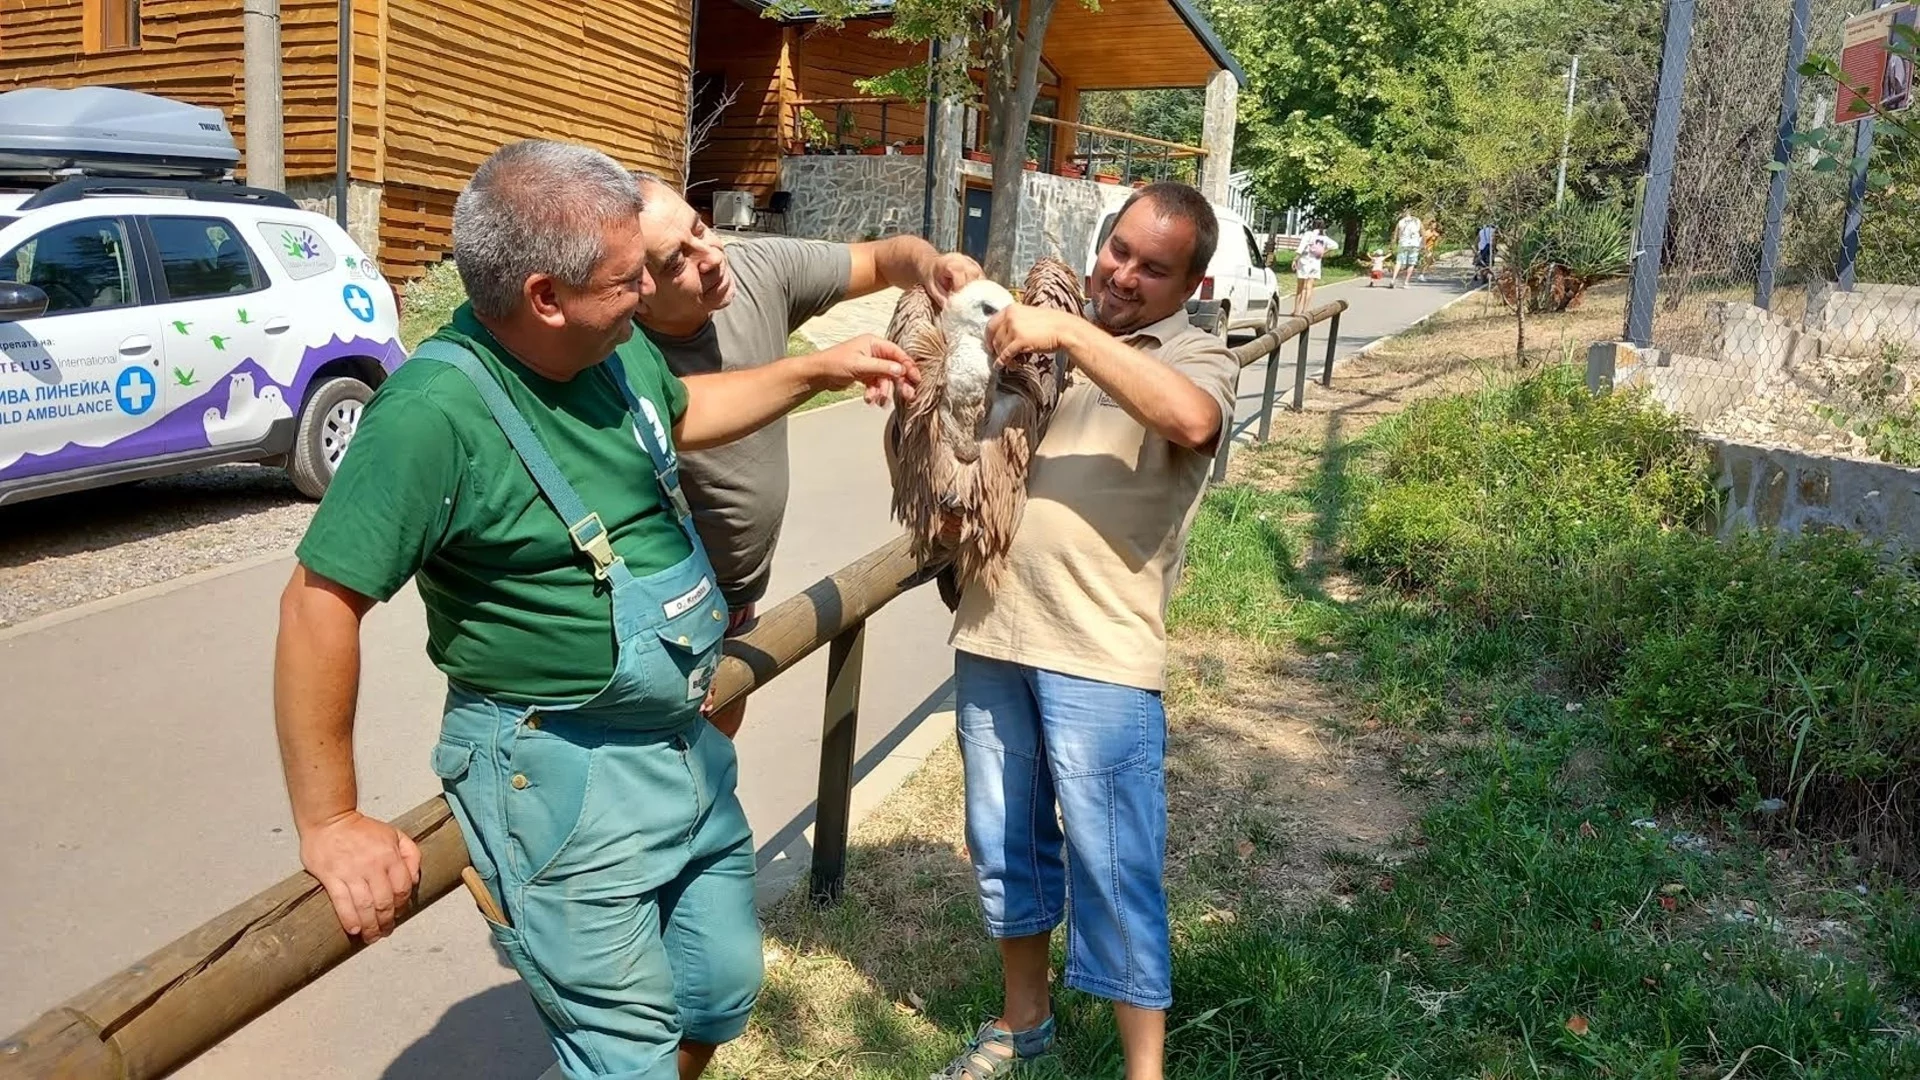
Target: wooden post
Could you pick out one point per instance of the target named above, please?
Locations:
(1273, 385)
(1333, 342)
(839, 729)
(1300, 371)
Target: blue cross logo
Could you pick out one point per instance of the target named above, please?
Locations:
(359, 301)
(135, 391)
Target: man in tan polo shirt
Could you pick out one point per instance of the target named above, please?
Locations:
(1058, 671)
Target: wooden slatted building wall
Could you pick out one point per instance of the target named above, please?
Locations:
(828, 62)
(751, 56)
(462, 79)
(189, 51)
(436, 86)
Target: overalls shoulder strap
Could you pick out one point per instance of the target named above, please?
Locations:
(666, 465)
(589, 534)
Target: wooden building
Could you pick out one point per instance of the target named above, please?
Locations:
(781, 68)
(436, 87)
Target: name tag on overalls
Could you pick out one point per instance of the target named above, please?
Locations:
(684, 603)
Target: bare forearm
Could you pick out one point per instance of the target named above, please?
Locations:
(316, 683)
(731, 404)
(898, 261)
(1160, 398)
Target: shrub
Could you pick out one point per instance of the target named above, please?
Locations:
(1727, 672)
(429, 300)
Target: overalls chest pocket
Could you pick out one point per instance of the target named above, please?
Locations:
(681, 670)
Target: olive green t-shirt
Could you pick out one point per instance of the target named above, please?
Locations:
(431, 489)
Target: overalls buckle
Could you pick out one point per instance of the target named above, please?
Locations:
(590, 536)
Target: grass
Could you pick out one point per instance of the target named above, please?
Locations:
(1408, 839)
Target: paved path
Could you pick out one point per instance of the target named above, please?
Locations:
(140, 791)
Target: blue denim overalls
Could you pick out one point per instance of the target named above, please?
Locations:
(608, 830)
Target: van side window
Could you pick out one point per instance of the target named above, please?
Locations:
(202, 257)
(81, 265)
(1253, 249)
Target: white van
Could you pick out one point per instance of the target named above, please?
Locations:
(156, 317)
(1237, 293)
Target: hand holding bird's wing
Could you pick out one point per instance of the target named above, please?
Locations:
(873, 362)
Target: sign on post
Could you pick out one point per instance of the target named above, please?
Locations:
(1876, 62)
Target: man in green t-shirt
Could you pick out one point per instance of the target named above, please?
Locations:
(729, 308)
(522, 468)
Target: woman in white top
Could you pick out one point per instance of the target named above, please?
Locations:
(1314, 245)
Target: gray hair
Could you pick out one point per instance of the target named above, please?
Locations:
(536, 207)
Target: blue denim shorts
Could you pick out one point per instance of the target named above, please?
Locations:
(1065, 784)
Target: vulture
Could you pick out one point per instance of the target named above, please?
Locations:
(962, 446)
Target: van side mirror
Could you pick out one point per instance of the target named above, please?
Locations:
(21, 301)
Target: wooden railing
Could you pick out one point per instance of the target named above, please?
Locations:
(154, 1016)
(1267, 346)
(1154, 152)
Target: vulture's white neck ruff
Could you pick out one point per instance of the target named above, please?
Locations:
(969, 373)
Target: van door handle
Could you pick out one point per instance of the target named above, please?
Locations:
(278, 326)
(138, 345)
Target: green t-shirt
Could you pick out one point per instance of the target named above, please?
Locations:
(432, 488)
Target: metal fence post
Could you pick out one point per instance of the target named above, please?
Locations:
(1782, 153)
(1300, 370)
(1273, 385)
(1857, 191)
(1333, 341)
(1225, 449)
(1666, 138)
(840, 725)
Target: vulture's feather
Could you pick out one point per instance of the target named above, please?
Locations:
(962, 447)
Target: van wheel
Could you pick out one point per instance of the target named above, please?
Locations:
(1226, 320)
(1273, 315)
(327, 423)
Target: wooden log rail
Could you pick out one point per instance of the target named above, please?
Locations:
(156, 1015)
(1267, 346)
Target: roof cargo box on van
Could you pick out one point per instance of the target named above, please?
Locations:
(47, 135)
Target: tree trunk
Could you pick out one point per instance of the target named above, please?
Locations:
(1350, 237)
(1523, 295)
(1013, 81)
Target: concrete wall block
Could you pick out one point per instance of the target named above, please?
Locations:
(1795, 493)
(1059, 217)
(1860, 323)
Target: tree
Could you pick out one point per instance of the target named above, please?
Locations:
(1003, 48)
(1361, 106)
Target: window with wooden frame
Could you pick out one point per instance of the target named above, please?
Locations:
(111, 25)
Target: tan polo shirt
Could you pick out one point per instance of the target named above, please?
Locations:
(1099, 548)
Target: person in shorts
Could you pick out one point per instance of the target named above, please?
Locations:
(1408, 236)
(1314, 246)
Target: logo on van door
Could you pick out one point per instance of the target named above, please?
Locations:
(135, 391)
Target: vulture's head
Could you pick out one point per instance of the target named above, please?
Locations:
(969, 310)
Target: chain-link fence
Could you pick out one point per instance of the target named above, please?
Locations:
(1776, 291)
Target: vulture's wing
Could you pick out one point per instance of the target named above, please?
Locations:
(1028, 388)
(921, 467)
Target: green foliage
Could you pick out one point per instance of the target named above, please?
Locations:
(1455, 106)
(1567, 250)
(1540, 471)
(1522, 940)
(428, 301)
(1550, 534)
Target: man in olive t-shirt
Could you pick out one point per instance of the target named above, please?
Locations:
(731, 309)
